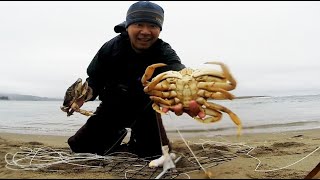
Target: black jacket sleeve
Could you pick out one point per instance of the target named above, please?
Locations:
(96, 70)
(169, 57)
(94, 74)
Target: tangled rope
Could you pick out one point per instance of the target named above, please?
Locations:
(49, 159)
(45, 158)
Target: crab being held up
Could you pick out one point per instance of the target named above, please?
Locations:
(180, 87)
(76, 92)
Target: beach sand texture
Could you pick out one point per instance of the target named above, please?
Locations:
(286, 155)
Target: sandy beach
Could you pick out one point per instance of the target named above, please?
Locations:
(285, 155)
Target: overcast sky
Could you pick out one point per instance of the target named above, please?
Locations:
(272, 48)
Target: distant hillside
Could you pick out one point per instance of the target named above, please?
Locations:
(245, 97)
(19, 97)
(4, 98)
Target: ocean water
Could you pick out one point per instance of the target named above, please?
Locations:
(265, 114)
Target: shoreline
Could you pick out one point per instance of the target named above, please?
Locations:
(282, 155)
(226, 131)
(58, 140)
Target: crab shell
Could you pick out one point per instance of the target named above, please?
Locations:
(181, 87)
(75, 92)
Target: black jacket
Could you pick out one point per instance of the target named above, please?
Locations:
(115, 72)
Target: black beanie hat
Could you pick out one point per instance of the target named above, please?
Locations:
(145, 11)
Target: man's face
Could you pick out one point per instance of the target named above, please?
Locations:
(142, 35)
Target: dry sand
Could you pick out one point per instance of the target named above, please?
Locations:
(286, 155)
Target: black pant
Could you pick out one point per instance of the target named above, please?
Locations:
(104, 132)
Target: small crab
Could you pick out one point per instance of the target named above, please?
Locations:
(74, 93)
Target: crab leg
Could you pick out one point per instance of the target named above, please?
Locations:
(226, 72)
(168, 102)
(214, 116)
(75, 108)
(84, 88)
(64, 109)
(217, 93)
(164, 86)
(158, 101)
(215, 107)
(151, 85)
(156, 107)
(156, 84)
(169, 94)
(86, 113)
(215, 85)
(212, 74)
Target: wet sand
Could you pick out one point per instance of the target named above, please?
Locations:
(286, 155)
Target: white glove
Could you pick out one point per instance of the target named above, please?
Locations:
(165, 158)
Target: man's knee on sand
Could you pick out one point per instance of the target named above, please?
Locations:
(80, 143)
(138, 147)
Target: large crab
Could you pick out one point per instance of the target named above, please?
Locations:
(76, 92)
(173, 87)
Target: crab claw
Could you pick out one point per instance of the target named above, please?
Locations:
(149, 72)
(151, 85)
(64, 108)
